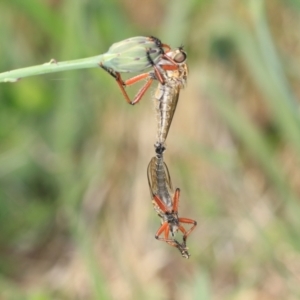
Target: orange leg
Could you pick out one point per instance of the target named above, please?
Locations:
(134, 79)
(142, 92)
(164, 228)
(160, 203)
(122, 84)
(169, 67)
(182, 220)
(176, 200)
(186, 233)
(181, 247)
(143, 89)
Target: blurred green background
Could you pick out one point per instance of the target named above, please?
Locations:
(76, 219)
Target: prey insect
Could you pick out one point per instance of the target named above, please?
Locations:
(166, 205)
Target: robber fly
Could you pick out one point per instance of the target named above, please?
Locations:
(171, 72)
(166, 205)
(167, 94)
